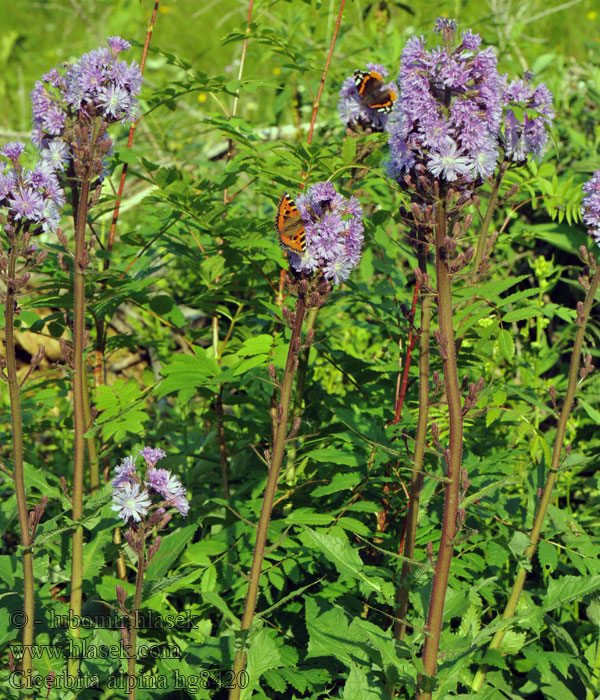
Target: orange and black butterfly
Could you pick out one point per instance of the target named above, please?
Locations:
(289, 226)
(372, 90)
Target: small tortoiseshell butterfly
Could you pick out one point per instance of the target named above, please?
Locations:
(374, 94)
(289, 226)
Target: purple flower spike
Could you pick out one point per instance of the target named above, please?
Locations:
(444, 24)
(125, 473)
(13, 150)
(590, 207)
(334, 232)
(98, 86)
(117, 44)
(448, 117)
(169, 487)
(163, 482)
(152, 455)
(527, 137)
(31, 199)
(181, 504)
(130, 503)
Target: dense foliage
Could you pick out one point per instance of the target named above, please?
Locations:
(201, 322)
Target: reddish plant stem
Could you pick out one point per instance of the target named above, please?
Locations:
(313, 118)
(271, 487)
(410, 344)
(18, 462)
(401, 386)
(454, 454)
(222, 443)
(416, 482)
(132, 128)
(133, 628)
(79, 378)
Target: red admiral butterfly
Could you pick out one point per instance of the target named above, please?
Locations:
(374, 94)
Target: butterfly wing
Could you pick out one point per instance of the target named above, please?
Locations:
(289, 226)
(373, 92)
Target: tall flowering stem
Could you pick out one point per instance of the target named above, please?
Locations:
(416, 482)
(453, 454)
(269, 495)
(143, 504)
(454, 126)
(30, 202)
(322, 232)
(72, 110)
(14, 393)
(79, 393)
(583, 314)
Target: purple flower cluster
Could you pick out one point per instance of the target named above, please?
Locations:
(449, 113)
(132, 497)
(334, 232)
(32, 199)
(527, 136)
(356, 110)
(99, 84)
(590, 207)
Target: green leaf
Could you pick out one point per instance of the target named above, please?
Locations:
(565, 589)
(506, 344)
(165, 306)
(334, 455)
(512, 642)
(348, 150)
(127, 155)
(250, 363)
(547, 555)
(328, 633)
(263, 655)
(213, 598)
(8, 569)
(36, 477)
(491, 415)
(308, 516)
(490, 289)
(354, 525)
(494, 658)
(340, 482)
(519, 543)
(93, 559)
(359, 687)
(170, 548)
(209, 580)
(258, 345)
(122, 409)
(590, 410)
(188, 372)
(346, 560)
(593, 611)
(520, 315)
(339, 551)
